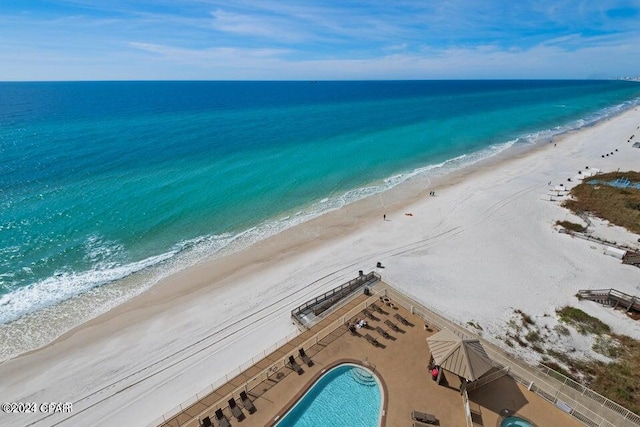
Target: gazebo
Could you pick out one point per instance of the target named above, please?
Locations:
(463, 357)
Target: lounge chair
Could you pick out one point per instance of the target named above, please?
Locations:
(425, 418)
(247, 403)
(376, 308)
(206, 422)
(294, 365)
(372, 340)
(222, 420)
(401, 319)
(392, 325)
(368, 314)
(235, 410)
(384, 333)
(306, 359)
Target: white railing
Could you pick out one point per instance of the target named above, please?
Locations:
(545, 382)
(264, 374)
(597, 239)
(592, 410)
(467, 408)
(584, 391)
(325, 301)
(220, 381)
(488, 378)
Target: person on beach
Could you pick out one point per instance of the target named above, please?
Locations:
(384, 217)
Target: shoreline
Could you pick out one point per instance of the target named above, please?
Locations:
(221, 312)
(141, 282)
(402, 194)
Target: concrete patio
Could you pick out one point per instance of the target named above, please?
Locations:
(401, 364)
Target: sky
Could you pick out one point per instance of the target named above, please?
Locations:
(318, 39)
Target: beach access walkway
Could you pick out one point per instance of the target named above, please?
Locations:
(612, 298)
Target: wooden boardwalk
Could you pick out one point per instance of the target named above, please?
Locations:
(631, 258)
(612, 298)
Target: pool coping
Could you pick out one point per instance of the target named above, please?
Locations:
(506, 413)
(291, 403)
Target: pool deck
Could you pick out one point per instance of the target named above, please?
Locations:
(487, 402)
(401, 365)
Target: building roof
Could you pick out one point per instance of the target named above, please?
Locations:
(463, 357)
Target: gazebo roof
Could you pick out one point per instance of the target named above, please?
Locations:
(463, 357)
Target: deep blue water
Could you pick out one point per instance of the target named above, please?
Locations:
(102, 179)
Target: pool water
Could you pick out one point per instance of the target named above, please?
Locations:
(347, 395)
(515, 422)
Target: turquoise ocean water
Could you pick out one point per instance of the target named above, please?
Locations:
(100, 181)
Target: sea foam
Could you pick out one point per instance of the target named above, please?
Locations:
(151, 190)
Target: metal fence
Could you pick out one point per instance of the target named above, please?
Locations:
(596, 239)
(467, 409)
(614, 297)
(251, 382)
(573, 386)
(587, 406)
(486, 379)
(220, 381)
(307, 314)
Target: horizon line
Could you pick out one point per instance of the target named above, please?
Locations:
(631, 79)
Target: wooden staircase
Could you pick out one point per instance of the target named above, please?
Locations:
(632, 258)
(612, 298)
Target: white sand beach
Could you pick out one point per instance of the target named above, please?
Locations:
(484, 246)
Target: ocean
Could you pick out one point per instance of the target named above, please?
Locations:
(106, 187)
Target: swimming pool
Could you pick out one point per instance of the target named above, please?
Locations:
(513, 421)
(347, 395)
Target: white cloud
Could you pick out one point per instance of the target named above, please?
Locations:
(220, 63)
(396, 47)
(279, 39)
(178, 53)
(256, 26)
(483, 61)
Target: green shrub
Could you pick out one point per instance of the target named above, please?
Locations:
(526, 319)
(617, 205)
(607, 346)
(533, 336)
(475, 325)
(572, 226)
(584, 323)
(562, 330)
